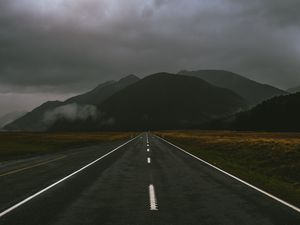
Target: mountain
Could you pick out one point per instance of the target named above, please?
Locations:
(276, 114)
(33, 121)
(294, 89)
(75, 106)
(11, 116)
(160, 101)
(103, 91)
(250, 90)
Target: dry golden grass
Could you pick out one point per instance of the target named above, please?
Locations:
(14, 144)
(268, 160)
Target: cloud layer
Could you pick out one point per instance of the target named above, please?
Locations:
(69, 45)
(71, 112)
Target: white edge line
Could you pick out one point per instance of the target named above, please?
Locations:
(236, 178)
(60, 181)
(153, 200)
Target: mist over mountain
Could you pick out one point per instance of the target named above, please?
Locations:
(70, 112)
(160, 101)
(294, 89)
(77, 107)
(250, 90)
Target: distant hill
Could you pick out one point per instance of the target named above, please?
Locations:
(294, 89)
(250, 90)
(75, 106)
(276, 114)
(160, 101)
(11, 116)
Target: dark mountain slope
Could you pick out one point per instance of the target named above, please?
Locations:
(161, 101)
(250, 90)
(277, 114)
(35, 120)
(103, 91)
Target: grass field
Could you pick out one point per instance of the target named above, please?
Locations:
(21, 144)
(270, 161)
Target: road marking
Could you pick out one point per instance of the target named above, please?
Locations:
(149, 160)
(236, 178)
(60, 181)
(32, 166)
(148, 150)
(153, 200)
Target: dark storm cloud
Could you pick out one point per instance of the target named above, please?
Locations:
(64, 45)
(285, 13)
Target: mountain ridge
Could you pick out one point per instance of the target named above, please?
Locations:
(35, 121)
(158, 101)
(161, 101)
(253, 91)
(11, 116)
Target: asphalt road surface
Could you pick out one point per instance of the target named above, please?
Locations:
(144, 181)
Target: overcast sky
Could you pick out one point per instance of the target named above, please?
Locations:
(51, 49)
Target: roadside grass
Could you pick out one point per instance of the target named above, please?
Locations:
(270, 161)
(21, 144)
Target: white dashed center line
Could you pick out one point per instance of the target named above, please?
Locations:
(153, 200)
(152, 197)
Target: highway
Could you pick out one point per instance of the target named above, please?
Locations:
(141, 181)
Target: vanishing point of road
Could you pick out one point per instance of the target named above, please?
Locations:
(145, 180)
